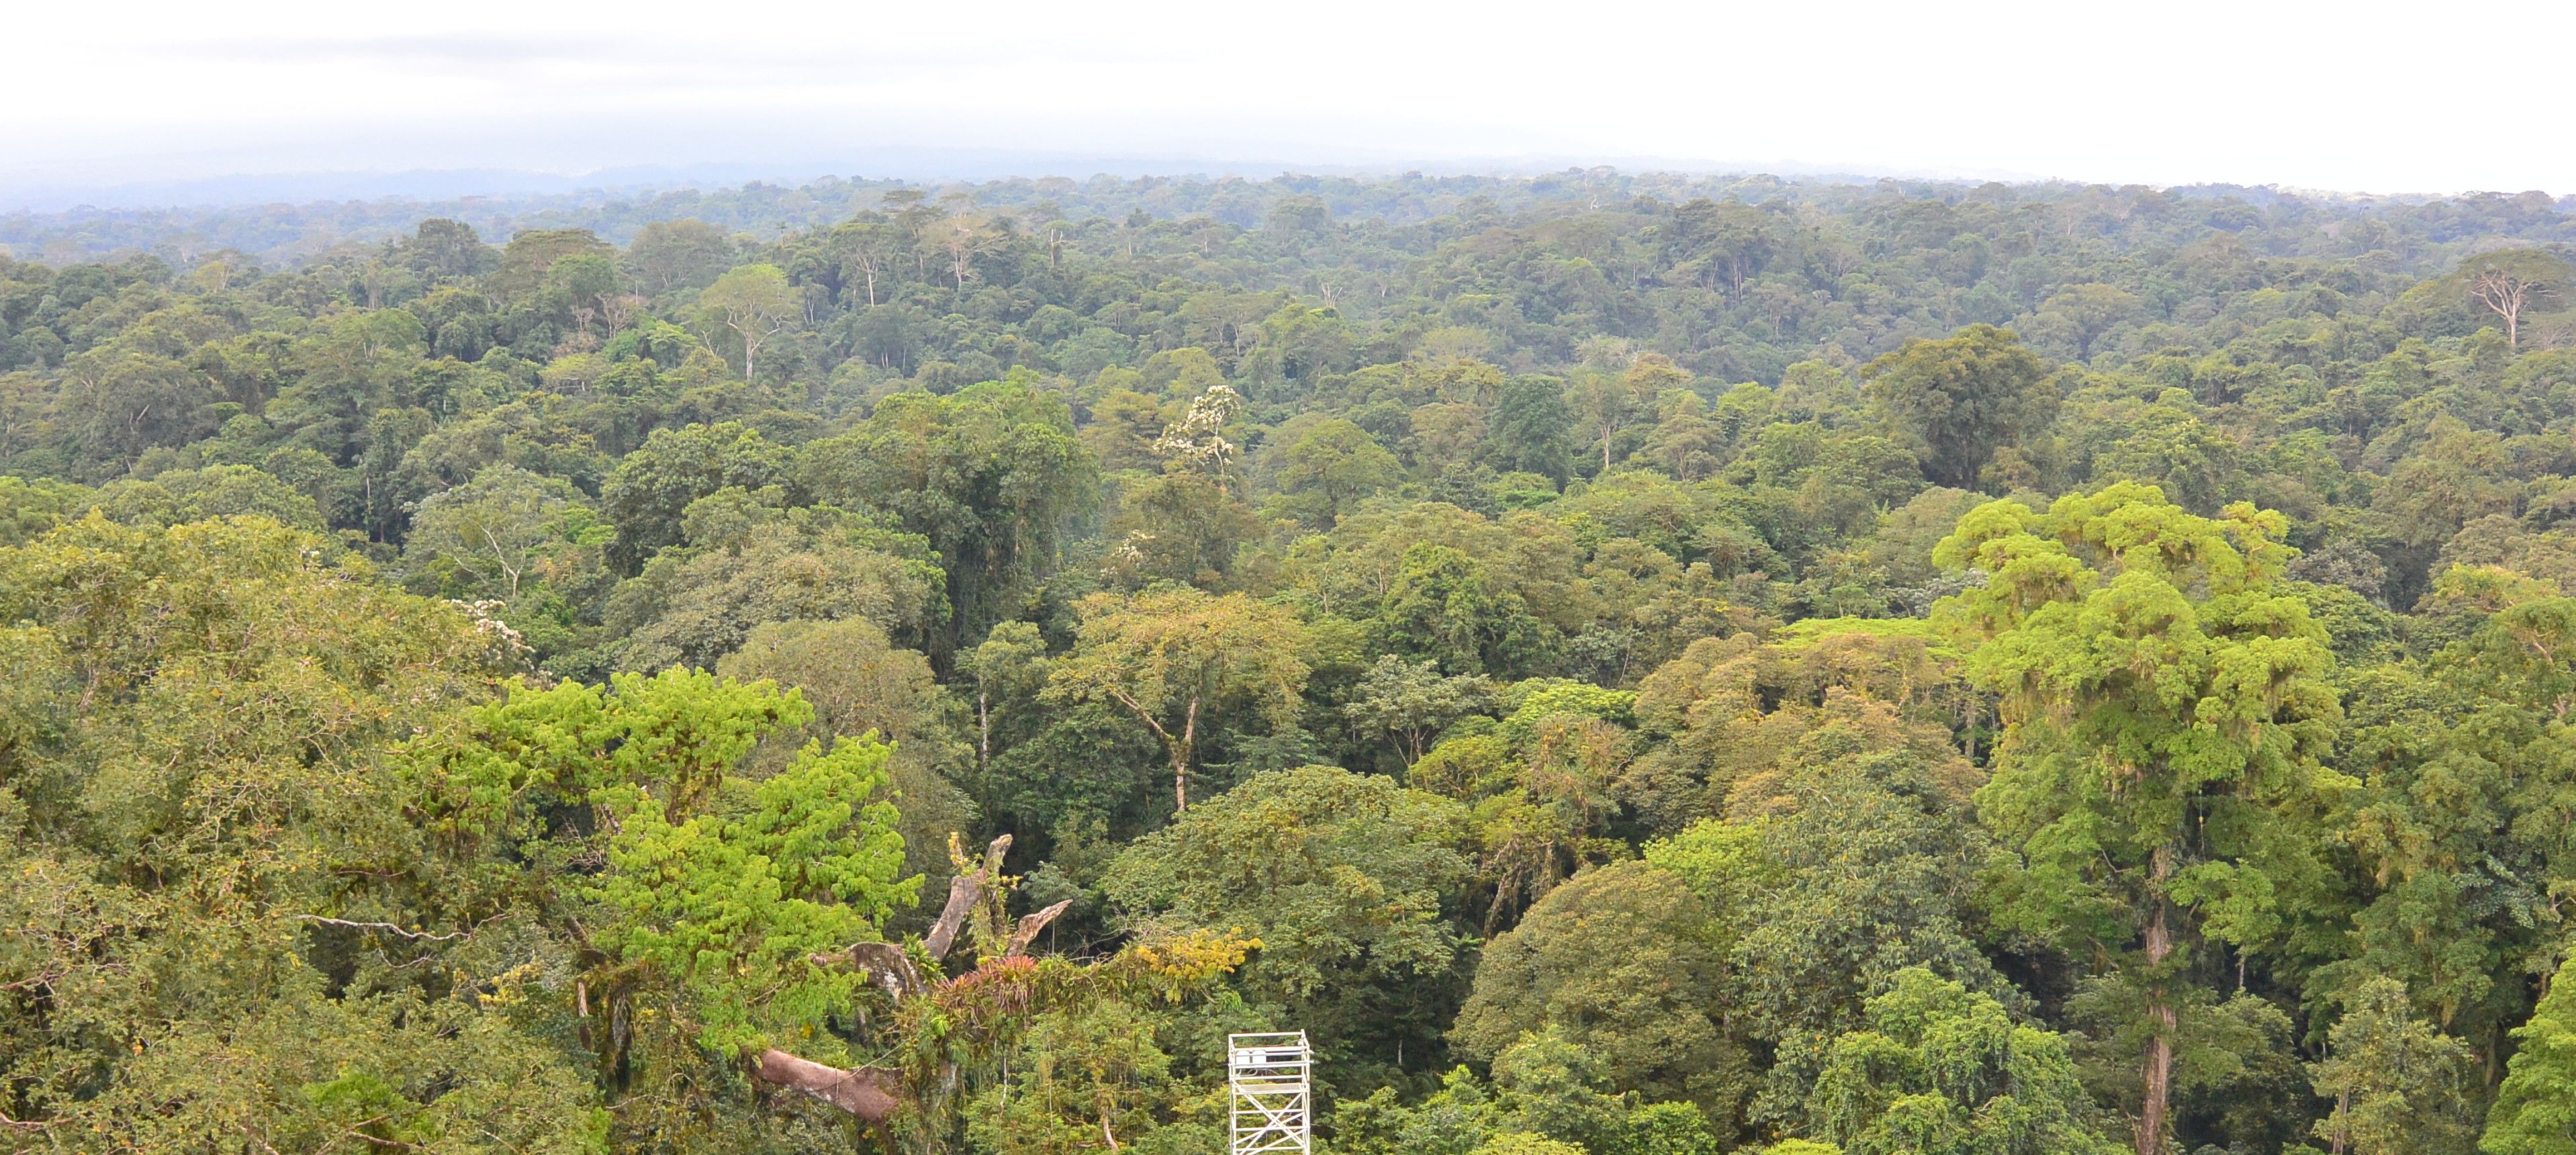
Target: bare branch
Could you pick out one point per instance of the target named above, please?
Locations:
(414, 935)
(884, 962)
(862, 1092)
(963, 890)
(246, 1134)
(1031, 925)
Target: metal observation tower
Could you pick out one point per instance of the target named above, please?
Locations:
(1273, 1095)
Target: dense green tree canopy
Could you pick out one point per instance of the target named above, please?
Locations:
(1633, 664)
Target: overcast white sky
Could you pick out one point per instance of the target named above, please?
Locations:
(2339, 96)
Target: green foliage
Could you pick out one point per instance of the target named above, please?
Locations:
(1412, 703)
(860, 683)
(1961, 399)
(1328, 469)
(1524, 1143)
(991, 477)
(1938, 1068)
(1342, 880)
(732, 903)
(1530, 430)
(1623, 960)
(1547, 1093)
(2093, 604)
(1444, 608)
(2166, 710)
(200, 495)
(747, 562)
(511, 760)
(180, 803)
(31, 508)
(1176, 659)
(1089, 1076)
(2394, 1078)
(693, 897)
(644, 498)
(501, 532)
(2535, 1109)
(755, 303)
(1616, 515)
(1533, 702)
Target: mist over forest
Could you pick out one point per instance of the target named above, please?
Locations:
(1630, 663)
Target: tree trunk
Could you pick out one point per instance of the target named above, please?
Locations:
(2158, 1074)
(1176, 749)
(2156, 1077)
(1181, 752)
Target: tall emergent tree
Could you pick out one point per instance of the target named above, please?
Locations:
(1169, 656)
(2165, 706)
(2514, 282)
(756, 302)
(991, 475)
(1961, 398)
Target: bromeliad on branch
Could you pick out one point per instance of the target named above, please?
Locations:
(943, 1025)
(874, 1094)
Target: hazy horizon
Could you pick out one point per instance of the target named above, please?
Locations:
(963, 167)
(2200, 94)
(915, 166)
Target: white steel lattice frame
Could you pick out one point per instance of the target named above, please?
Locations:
(1273, 1093)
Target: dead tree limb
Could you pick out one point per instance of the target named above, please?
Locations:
(963, 891)
(870, 1093)
(886, 965)
(389, 928)
(1031, 925)
(866, 1092)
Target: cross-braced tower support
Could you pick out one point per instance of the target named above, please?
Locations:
(1273, 1093)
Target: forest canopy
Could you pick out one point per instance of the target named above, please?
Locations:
(1631, 664)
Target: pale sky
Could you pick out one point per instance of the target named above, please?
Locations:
(2348, 96)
